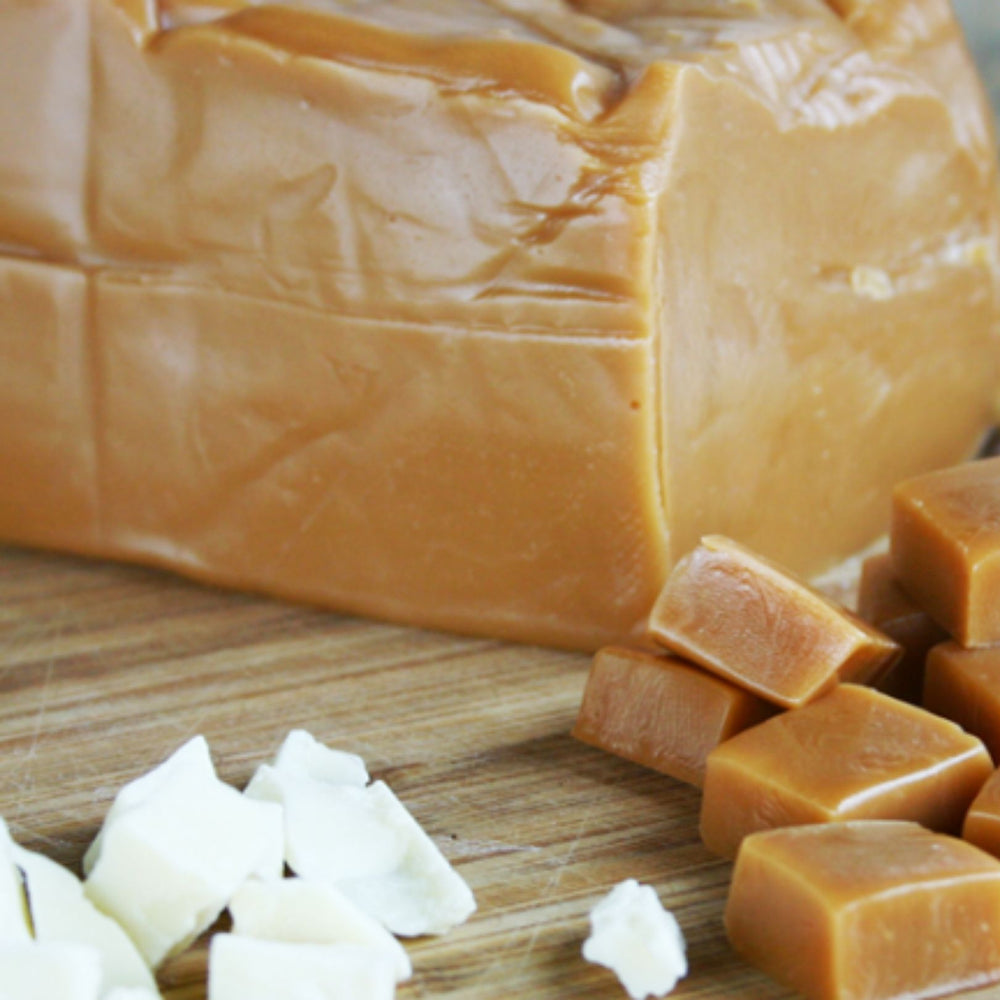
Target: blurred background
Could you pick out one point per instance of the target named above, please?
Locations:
(982, 27)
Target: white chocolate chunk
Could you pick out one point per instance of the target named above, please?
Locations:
(637, 939)
(174, 850)
(61, 913)
(189, 763)
(311, 912)
(367, 843)
(13, 905)
(301, 753)
(36, 971)
(243, 968)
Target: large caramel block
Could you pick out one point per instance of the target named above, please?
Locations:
(964, 685)
(748, 620)
(866, 910)
(853, 754)
(946, 547)
(479, 314)
(662, 712)
(882, 603)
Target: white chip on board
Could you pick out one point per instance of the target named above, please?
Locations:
(637, 939)
(13, 905)
(243, 968)
(175, 846)
(366, 842)
(301, 753)
(61, 913)
(311, 912)
(36, 971)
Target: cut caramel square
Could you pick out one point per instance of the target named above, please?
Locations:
(982, 822)
(866, 910)
(743, 617)
(882, 603)
(854, 754)
(964, 685)
(661, 712)
(946, 548)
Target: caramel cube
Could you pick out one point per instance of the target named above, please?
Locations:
(853, 754)
(964, 685)
(882, 603)
(982, 822)
(866, 910)
(662, 712)
(744, 618)
(946, 548)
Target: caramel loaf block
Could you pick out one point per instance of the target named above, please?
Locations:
(478, 314)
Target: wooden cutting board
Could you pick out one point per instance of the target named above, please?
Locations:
(105, 670)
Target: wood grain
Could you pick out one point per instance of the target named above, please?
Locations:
(104, 670)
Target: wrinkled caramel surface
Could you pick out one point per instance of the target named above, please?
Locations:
(477, 315)
(748, 620)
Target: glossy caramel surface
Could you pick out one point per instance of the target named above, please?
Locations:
(946, 547)
(866, 910)
(964, 685)
(752, 622)
(661, 711)
(853, 754)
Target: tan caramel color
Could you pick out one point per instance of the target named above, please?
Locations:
(882, 603)
(982, 822)
(866, 911)
(964, 685)
(946, 547)
(748, 620)
(853, 754)
(477, 314)
(662, 712)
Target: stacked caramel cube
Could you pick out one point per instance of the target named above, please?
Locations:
(840, 756)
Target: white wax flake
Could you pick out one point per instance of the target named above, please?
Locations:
(637, 939)
(175, 846)
(61, 913)
(13, 909)
(362, 839)
(311, 912)
(243, 968)
(35, 971)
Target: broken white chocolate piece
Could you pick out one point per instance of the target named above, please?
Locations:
(641, 942)
(14, 924)
(242, 968)
(302, 753)
(35, 971)
(175, 847)
(311, 912)
(365, 841)
(61, 913)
